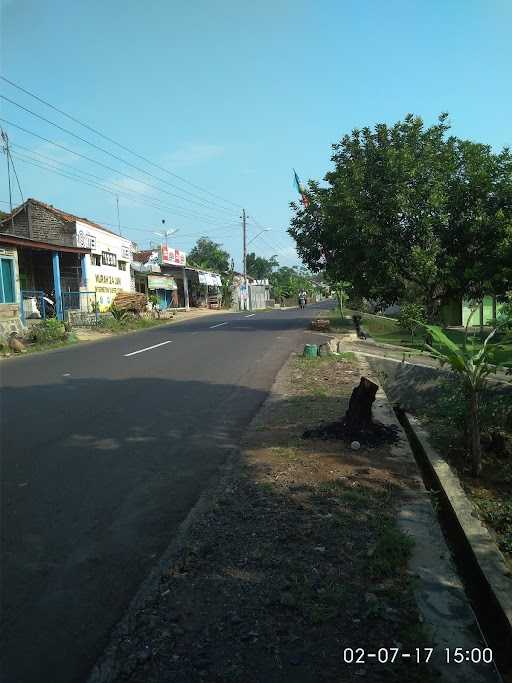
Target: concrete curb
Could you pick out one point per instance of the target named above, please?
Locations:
(487, 558)
(438, 590)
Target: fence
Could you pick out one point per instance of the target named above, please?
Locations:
(80, 308)
(33, 305)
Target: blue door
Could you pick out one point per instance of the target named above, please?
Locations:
(6, 282)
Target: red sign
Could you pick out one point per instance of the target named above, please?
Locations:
(172, 257)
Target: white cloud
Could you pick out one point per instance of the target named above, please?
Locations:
(193, 154)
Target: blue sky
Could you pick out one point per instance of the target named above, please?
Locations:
(232, 94)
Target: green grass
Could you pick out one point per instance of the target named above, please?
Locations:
(386, 331)
(391, 553)
(129, 324)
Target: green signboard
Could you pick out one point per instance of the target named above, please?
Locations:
(161, 282)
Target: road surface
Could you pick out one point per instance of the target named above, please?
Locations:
(105, 448)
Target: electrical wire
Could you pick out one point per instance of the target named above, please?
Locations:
(206, 203)
(94, 161)
(152, 204)
(114, 142)
(112, 184)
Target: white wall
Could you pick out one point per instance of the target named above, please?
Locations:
(106, 280)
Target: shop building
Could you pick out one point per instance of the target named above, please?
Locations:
(71, 261)
(163, 273)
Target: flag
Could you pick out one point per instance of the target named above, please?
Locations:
(301, 190)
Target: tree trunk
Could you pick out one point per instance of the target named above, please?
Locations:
(359, 414)
(476, 447)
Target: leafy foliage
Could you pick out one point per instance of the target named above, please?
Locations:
(209, 255)
(49, 330)
(260, 267)
(504, 317)
(411, 317)
(474, 366)
(118, 314)
(408, 208)
(287, 282)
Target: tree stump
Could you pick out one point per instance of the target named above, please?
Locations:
(359, 414)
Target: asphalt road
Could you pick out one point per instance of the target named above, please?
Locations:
(104, 451)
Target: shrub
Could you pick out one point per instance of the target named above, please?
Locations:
(411, 317)
(118, 314)
(49, 330)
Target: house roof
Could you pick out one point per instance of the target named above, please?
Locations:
(7, 238)
(142, 256)
(64, 215)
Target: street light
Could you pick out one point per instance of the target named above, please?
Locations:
(167, 234)
(260, 233)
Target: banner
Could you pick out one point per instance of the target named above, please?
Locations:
(172, 257)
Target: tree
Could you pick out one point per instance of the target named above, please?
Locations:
(259, 267)
(287, 282)
(473, 365)
(401, 210)
(209, 255)
(411, 317)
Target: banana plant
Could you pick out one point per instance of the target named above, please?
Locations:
(474, 366)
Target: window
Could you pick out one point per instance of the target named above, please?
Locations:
(96, 260)
(6, 281)
(121, 265)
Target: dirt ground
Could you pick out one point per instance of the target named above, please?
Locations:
(297, 559)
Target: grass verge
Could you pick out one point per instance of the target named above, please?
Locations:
(299, 558)
(491, 492)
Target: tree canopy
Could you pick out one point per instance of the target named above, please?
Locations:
(259, 267)
(209, 255)
(410, 212)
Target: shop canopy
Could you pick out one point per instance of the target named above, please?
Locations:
(161, 282)
(210, 279)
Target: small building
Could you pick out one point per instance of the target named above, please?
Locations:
(72, 261)
(163, 273)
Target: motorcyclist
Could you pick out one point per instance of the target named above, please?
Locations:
(302, 299)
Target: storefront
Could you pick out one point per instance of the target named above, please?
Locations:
(106, 270)
(165, 289)
(209, 288)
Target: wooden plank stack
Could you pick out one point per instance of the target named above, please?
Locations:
(131, 301)
(320, 325)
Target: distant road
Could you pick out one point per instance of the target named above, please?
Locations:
(105, 448)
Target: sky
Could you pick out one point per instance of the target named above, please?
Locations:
(230, 95)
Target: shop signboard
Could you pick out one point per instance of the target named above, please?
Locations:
(172, 257)
(161, 282)
(108, 259)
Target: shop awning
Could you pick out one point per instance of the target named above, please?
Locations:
(210, 279)
(161, 282)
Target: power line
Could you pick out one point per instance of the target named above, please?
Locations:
(112, 184)
(114, 142)
(16, 174)
(151, 203)
(94, 161)
(203, 202)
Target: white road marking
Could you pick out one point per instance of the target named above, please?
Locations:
(219, 324)
(148, 348)
(249, 316)
(67, 374)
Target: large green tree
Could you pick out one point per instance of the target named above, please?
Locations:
(259, 267)
(209, 255)
(410, 212)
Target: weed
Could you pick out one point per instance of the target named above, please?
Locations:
(391, 553)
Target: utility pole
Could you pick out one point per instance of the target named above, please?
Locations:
(118, 220)
(6, 143)
(244, 224)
